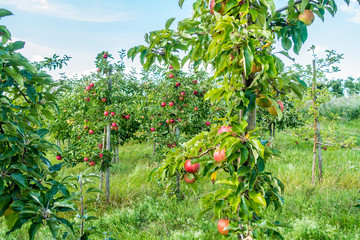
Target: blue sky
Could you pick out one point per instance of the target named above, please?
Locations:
(82, 28)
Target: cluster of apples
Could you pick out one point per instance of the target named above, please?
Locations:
(264, 102)
(219, 156)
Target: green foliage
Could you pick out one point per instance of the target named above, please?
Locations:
(347, 108)
(83, 184)
(52, 63)
(235, 41)
(29, 191)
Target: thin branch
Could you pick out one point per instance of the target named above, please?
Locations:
(159, 52)
(275, 87)
(286, 7)
(202, 154)
(24, 95)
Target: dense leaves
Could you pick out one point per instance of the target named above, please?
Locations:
(29, 191)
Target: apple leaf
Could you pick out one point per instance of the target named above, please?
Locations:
(169, 22)
(286, 43)
(257, 197)
(4, 13)
(181, 2)
(303, 5)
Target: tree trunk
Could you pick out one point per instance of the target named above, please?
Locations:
(107, 181)
(101, 172)
(108, 147)
(319, 153)
(317, 136)
(117, 153)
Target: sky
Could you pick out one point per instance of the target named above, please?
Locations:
(83, 28)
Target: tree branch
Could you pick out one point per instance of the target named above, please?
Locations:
(23, 94)
(286, 7)
(275, 87)
(159, 52)
(202, 154)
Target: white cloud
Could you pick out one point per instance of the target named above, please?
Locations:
(67, 11)
(353, 9)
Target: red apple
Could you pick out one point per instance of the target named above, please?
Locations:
(105, 56)
(179, 119)
(112, 114)
(191, 168)
(177, 84)
(92, 163)
(91, 85)
(127, 116)
(181, 98)
(196, 108)
(195, 92)
(88, 88)
(307, 17)
(91, 132)
(163, 104)
(86, 127)
(171, 67)
(208, 123)
(224, 129)
(171, 104)
(114, 124)
(167, 121)
(86, 159)
(103, 99)
(281, 105)
(100, 155)
(219, 155)
(172, 121)
(188, 180)
(160, 124)
(183, 93)
(58, 157)
(116, 128)
(221, 225)
(106, 113)
(85, 120)
(195, 81)
(100, 145)
(171, 75)
(152, 129)
(98, 70)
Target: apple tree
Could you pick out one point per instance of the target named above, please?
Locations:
(174, 109)
(235, 38)
(30, 192)
(100, 111)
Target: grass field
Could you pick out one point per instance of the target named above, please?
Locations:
(139, 209)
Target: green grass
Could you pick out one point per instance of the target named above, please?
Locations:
(140, 209)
